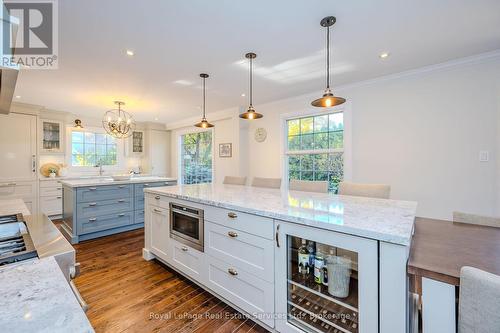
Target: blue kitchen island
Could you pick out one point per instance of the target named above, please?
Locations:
(97, 207)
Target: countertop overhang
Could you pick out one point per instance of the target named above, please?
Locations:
(385, 220)
(85, 182)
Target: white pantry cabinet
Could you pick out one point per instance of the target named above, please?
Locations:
(308, 306)
(51, 198)
(159, 232)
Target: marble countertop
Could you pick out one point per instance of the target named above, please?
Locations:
(13, 206)
(83, 182)
(35, 297)
(385, 220)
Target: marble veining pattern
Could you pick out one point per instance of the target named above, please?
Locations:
(83, 182)
(386, 220)
(35, 297)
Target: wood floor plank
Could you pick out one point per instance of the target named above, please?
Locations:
(127, 294)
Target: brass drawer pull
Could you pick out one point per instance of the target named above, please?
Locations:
(92, 188)
(58, 197)
(92, 204)
(7, 184)
(121, 200)
(184, 248)
(232, 271)
(157, 210)
(157, 197)
(232, 215)
(92, 219)
(232, 234)
(121, 215)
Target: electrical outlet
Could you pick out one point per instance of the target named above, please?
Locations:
(484, 156)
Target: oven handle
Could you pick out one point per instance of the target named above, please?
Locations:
(183, 212)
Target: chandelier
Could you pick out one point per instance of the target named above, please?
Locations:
(118, 123)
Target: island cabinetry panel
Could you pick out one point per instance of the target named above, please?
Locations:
(346, 302)
(247, 291)
(187, 260)
(103, 207)
(139, 198)
(252, 224)
(159, 231)
(97, 193)
(248, 252)
(104, 222)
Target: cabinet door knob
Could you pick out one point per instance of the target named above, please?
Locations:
(232, 271)
(232, 234)
(157, 197)
(184, 248)
(92, 219)
(92, 204)
(232, 215)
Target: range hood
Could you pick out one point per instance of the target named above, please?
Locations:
(8, 74)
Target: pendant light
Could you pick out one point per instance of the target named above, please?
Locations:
(118, 123)
(203, 123)
(78, 123)
(328, 100)
(251, 113)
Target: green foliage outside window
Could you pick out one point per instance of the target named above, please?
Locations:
(196, 157)
(90, 149)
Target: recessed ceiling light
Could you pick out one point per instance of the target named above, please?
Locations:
(130, 53)
(156, 118)
(18, 96)
(384, 55)
(243, 95)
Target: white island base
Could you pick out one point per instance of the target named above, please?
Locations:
(250, 255)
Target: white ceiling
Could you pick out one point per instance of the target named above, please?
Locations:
(177, 40)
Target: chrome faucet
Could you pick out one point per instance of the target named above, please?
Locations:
(99, 165)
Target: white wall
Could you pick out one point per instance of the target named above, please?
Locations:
(420, 132)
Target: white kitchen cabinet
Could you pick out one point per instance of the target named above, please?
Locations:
(51, 137)
(51, 198)
(159, 232)
(157, 147)
(187, 260)
(18, 167)
(307, 305)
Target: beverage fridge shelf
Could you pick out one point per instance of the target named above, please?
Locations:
(320, 312)
(307, 282)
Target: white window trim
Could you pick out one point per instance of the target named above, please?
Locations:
(120, 153)
(180, 133)
(347, 150)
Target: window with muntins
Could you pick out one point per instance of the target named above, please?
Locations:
(315, 148)
(91, 149)
(196, 158)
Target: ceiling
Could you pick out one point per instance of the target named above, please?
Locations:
(174, 41)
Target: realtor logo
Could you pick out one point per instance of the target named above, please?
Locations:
(29, 34)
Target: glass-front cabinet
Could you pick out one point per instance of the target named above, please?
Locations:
(331, 282)
(51, 133)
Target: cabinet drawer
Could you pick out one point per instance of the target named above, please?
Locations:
(103, 207)
(86, 194)
(139, 188)
(50, 184)
(139, 216)
(250, 253)
(139, 203)
(93, 224)
(17, 189)
(186, 259)
(253, 224)
(160, 200)
(51, 205)
(50, 192)
(254, 295)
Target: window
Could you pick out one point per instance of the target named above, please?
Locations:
(315, 148)
(90, 149)
(196, 158)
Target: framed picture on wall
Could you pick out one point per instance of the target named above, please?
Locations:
(225, 150)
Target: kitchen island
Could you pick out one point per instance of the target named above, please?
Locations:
(252, 240)
(96, 207)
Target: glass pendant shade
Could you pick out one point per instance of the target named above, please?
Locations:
(251, 114)
(204, 122)
(328, 100)
(118, 123)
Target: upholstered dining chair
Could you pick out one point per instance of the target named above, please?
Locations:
(309, 186)
(266, 182)
(235, 180)
(476, 219)
(380, 191)
(478, 302)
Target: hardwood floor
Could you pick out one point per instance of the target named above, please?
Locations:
(125, 293)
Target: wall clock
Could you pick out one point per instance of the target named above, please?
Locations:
(260, 134)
